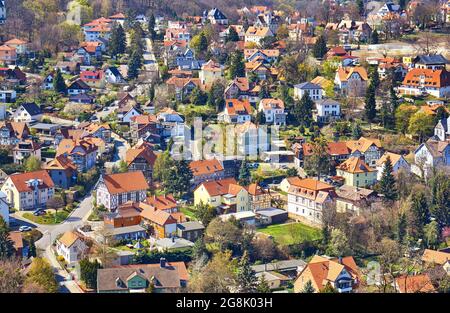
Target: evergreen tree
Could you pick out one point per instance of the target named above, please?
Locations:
(420, 213)
(263, 285)
(375, 78)
(244, 174)
(246, 279)
(58, 83)
(440, 188)
(374, 37)
(360, 5)
(198, 97)
(88, 272)
(302, 111)
(215, 96)
(401, 227)
(237, 65)
(264, 92)
(308, 288)
(394, 99)
(370, 104)
(320, 47)
(151, 93)
(6, 244)
(178, 178)
(32, 249)
(117, 43)
(199, 249)
(402, 4)
(232, 36)
(151, 27)
(134, 64)
(387, 183)
(357, 131)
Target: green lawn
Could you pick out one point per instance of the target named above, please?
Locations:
(188, 212)
(286, 234)
(49, 218)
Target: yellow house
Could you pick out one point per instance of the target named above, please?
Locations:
(29, 191)
(357, 173)
(210, 72)
(407, 60)
(225, 194)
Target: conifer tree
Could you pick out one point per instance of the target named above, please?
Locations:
(308, 288)
(246, 279)
(387, 183)
(320, 47)
(58, 83)
(244, 174)
(370, 104)
(6, 244)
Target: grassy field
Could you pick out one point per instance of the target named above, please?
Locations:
(49, 218)
(286, 234)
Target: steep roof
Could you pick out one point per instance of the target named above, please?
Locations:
(32, 108)
(437, 257)
(355, 165)
(20, 180)
(205, 167)
(60, 162)
(307, 86)
(430, 59)
(345, 73)
(69, 238)
(414, 284)
(163, 202)
(333, 148)
(427, 77)
(237, 107)
(218, 187)
(270, 103)
(125, 182)
(362, 144)
(160, 217)
(142, 152)
(393, 156)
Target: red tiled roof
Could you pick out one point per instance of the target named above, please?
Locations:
(125, 182)
(19, 180)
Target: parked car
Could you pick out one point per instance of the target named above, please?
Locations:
(39, 212)
(24, 228)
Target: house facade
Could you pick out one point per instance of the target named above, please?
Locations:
(72, 247)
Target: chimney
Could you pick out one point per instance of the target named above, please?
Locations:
(162, 262)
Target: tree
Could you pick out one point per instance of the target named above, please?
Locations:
(117, 43)
(162, 163)
(237, 66)
(401, 227)
(403, 115)
(215, 95)
(199, 249)
(246, 279)
(134, 64)
(123, 167)
(319, 161)
(420, 213)
(198, 97)
(6, 244)
(263, 285)
(356, 131)
(360, 5)
(32, 164)
(308, 287)
(244, 174)
(32, 249)
(302, 111)
(58, 83)
(199, 43)
(421, 125)
(370, 110)
(374, 38)
(11, 277)
(41, 273)
(320, 47)
(387, 183)
(387, 115)
(328, 289)
(88, 272)
(232, 35)
(205, 213)
(440, 206)
(431, 234)
(55, 203)
(224, 233)
(151, 27)
(178, 178)
(338, 245)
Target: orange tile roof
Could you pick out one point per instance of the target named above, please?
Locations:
(69, 238)
(144, 152)
(211, 66)
(218, 187)
(19, 180)
(415, 284)
(180, 82)
(345, 72)
(68, 146)
(432, 78)
(312, 184)
(15, 41)
(60, 162)
(333, 148)
(436, 257)
(164, 202)
(268, 52)
(237, 107)
(432, 109)
(270, 103)
(362, 144)
(125, 182)
(258, 31)
(17, 239)
(144, 119)
(393, 156)
(255, 190)
(355, 165)
(205, 167)
(242, 83)
(154, 215)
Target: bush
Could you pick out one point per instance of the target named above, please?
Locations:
(60, 258)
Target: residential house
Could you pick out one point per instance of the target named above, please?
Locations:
(266, 55)
(259, 198)
(260, 70)
(165, 277)
(432, 154)
(19, 248)
(353, 31)
(25, 149)
(187, 61)
(47, 84)
(27, 112)
(351, 80)
(164, 202)
(20, 45)
(116, 189)
(142, 159)
(171, 123)
(4, 207)
(314, 91)
(420, 283)
(78, 87)
(256, 34)
(190, 230)
(368, 148)
(307, 198)
(251, 140)
(389, 8)
(327, 110)
(430, 61)
(126, 113)
(397, 160)
(273, 110)
(336, 151)
(420, 81)
(182, 87)
(145, 125)
(357, 173)
(442, 129)
(236, 111)
(342, 274)
(160, 223)
(124, 223)
(215, 16)
(7, 96)
(62, 171)
(299, 30)
(210, 72)
(94, 79)
(225, 195)
(8, 55)
(72, 247)
(68, 67)
(274, 279)
(204, 170)
(113, 76)
(354, 200)
(29, 191)
(271, 216)
(102, 131)
(240, 88)
(81, 152)
(433, 258)
(13, 132)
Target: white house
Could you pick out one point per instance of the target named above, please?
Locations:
(351, 80)
(27, 112)
(397, 160)
(442, 129)
(72, 247)
(431, 154)
(4, 207)
(47, 84)
(7, 96)
(126, 114)
(273, 110)
(256, 34)
(113, 76)
(236, 111)
(328, 110)
(315, 91)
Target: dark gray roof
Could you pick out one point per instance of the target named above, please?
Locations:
(189, 226)
(217, 14)
(32, 108)
(307, 85)
(79, 84)
(431, 59)
(167, 277)
(115, 71)
(287, 265)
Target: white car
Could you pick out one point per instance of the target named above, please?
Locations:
(24, 228)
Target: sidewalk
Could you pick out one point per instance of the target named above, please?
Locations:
(67, 282)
